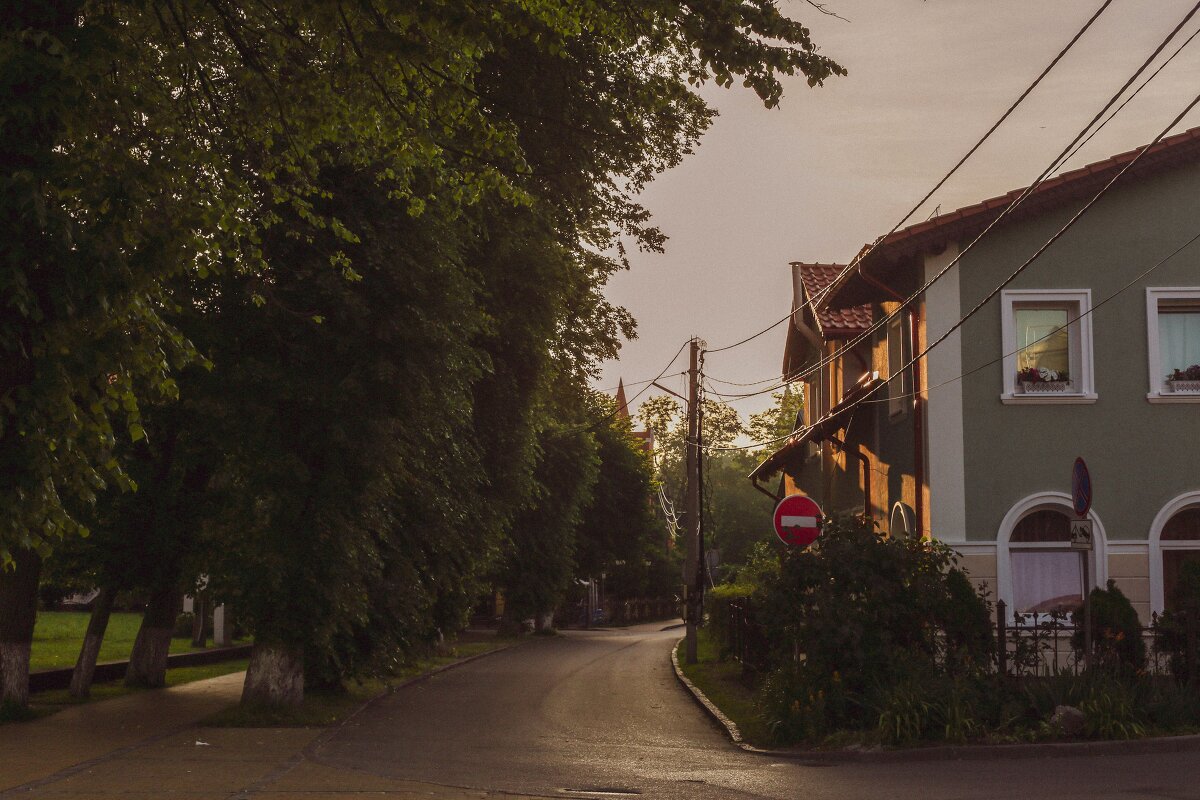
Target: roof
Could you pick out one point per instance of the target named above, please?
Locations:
(833, 321)
(933, 234)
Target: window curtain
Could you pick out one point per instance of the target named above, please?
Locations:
(1046, 580)
(1178, 340)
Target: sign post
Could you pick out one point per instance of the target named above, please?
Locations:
(798, 520)
(1081, 540)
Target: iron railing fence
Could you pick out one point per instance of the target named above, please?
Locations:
(1030, 645)
(744, 637)
(1047, 644)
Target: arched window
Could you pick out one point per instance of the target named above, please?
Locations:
(1037, 571)
(1049, 576)
(1180, 542)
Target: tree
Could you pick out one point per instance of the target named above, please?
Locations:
(172, 161)
(620, 535)
(780, 420)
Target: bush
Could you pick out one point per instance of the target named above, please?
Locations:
(1116, 632)
(871, 617)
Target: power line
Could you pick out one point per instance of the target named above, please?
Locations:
(1025, 193)
(995, 291)
(1008, 112)
(1140, 276)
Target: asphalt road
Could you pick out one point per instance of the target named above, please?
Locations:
(600, 714)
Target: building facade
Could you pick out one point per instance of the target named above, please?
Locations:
(1091, 351)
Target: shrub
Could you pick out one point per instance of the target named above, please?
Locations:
(1116, 631)
(860, 616)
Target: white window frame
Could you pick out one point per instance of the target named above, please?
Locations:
(1097, 562)
(1155, 373)
(1080, 330)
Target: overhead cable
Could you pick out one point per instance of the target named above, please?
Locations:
(1008, 112)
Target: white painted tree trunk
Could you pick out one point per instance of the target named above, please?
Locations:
(275, 676)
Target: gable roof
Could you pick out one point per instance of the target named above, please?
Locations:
(833, 322)
(934, 234)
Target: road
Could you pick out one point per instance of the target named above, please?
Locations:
(600, 714)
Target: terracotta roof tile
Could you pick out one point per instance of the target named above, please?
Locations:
(833, 321)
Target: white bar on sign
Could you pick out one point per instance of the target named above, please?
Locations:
(798, 522)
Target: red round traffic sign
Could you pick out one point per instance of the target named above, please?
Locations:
(797, 520)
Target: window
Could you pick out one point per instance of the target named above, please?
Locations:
(899, 351)
(1180, 544)
(1047, 576)
(1047, 339)
(1173, 334)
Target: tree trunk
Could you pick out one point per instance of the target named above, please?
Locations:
(85, 666)
(18, 610)
(199, 620)
(275, 676)
(148, 661)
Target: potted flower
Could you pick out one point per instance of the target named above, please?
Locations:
(1185, 380)
(1040, 379)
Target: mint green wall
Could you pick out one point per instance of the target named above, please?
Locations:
(1141, 455)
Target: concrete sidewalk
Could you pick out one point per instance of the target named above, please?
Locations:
(149, 745)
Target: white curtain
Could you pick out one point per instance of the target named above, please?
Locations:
(1178, 340)
(1046, 580)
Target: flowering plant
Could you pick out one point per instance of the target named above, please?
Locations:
(1192, 373)
(1041, 375)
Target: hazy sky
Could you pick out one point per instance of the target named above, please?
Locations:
(836, 166)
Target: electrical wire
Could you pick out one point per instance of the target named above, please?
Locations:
(900, 371)
(1025, 193)
(1008, 112)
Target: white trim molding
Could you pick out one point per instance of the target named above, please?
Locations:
(944, 408)
(1157, 545)
(1057, 501)
(1154, 371)
(1080, 331)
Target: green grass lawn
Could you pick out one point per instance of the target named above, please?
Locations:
(724, 685)
(58, 635)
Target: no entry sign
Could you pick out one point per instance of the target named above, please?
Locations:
(797, 520)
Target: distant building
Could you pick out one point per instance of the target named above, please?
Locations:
(647, 436)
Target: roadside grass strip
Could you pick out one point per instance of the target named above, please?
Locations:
(724, 685)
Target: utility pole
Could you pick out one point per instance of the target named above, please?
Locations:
(691, 564)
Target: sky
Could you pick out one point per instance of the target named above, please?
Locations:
(836, 166)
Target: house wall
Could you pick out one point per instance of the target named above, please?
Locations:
(1136, 451)
(1141, 455)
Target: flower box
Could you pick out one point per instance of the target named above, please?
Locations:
(1045, 387)
(1183, 387)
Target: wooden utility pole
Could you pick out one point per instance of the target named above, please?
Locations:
(691, 564)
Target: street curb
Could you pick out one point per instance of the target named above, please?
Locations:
(962, 752)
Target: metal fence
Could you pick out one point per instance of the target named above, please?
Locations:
(744, 636)
(1026, 644)
(643, 609)
(1048, 644)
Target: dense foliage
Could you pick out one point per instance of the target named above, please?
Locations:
(306, 276)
